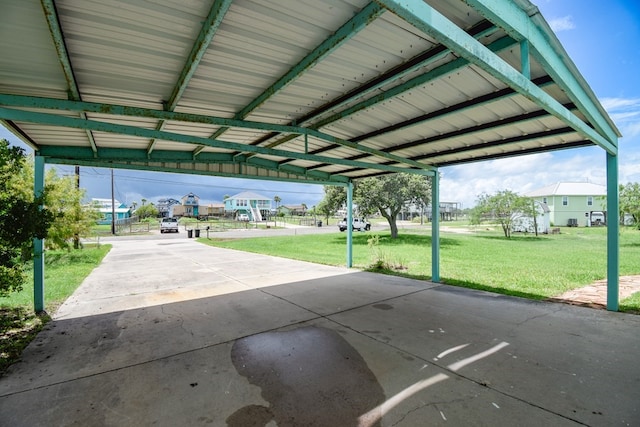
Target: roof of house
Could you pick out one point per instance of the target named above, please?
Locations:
(570, 189)
(249, 195)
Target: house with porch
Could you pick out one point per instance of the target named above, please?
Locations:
(104, 206)
(573, 203)
(256, 206)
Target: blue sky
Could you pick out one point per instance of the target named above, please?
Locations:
(601, 37)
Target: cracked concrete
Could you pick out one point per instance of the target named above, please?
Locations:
(230, 338)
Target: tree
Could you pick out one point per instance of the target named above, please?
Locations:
(147, 211)
(630, 201)
(334, 198)
(388, 194)
(277, 199)
(21, 219)
(72, 219)
(504, 206)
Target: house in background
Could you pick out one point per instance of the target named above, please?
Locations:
(103, 206)
(297, 210)
(573, 203)
(256, 206)
(164, 207)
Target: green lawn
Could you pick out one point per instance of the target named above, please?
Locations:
(525, 265)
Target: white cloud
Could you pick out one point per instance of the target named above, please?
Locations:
(562, 24)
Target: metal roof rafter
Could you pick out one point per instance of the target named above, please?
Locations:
(430, 21)
(517, 23)
(368, 13)
(199, 48)
(484, 28)
(107, 155)
(450, 67)
(35, 102)
(51, 15)
(57, 120)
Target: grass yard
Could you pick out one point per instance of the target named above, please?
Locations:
(525, 265)
(64, 272)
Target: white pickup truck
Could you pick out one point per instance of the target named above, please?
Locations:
(169, 225)
(357, 224)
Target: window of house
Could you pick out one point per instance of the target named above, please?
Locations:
(565, 201)
(589, 201)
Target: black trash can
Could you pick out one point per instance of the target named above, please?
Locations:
(197, 232)
(319, 223)
(189, 234)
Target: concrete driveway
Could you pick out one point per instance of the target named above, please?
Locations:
(170, 332)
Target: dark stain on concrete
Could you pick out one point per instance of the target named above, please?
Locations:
(383, 306)
(310, 376)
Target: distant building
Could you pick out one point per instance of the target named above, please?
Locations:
(256, 206)
(299, 210)
(573, 203)
(164, 207)
(106, 212)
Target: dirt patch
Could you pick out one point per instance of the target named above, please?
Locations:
(595, 295)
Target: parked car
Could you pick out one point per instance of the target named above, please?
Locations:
(357, 224)
(243, 217)
(169, 225)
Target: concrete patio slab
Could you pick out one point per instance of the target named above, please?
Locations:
(217, 337)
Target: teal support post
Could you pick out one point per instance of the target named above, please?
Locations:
(38, 244)
(349, 224)
(435, 228)
(613, 224)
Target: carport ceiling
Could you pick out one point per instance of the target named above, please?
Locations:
(325, 91)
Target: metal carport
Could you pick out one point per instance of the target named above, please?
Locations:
(324, 92)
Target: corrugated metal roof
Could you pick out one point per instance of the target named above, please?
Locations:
(570, 189)
(362, 89)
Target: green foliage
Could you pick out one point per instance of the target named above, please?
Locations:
(504, 207)
(334, 198)
(389, 194)
(147, 211)
(630, 201)
(21, 218)
(72, 218)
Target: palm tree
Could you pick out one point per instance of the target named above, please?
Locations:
(277, 199)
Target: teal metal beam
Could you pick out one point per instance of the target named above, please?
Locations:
(108, 155)
(207, 32)
(123, 110)
(525, 63)
(61, 104)
(368, 14)
(613, 225)
(529, 25)
(421, 80)
(349, 224)
(57, 120)
(425, 18)
(38, 244)
(51, 15)
(156, 168)
(435, 228)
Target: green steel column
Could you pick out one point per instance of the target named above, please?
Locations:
(38, 244)
(435, 227)
(349, 224)
(613, 223)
